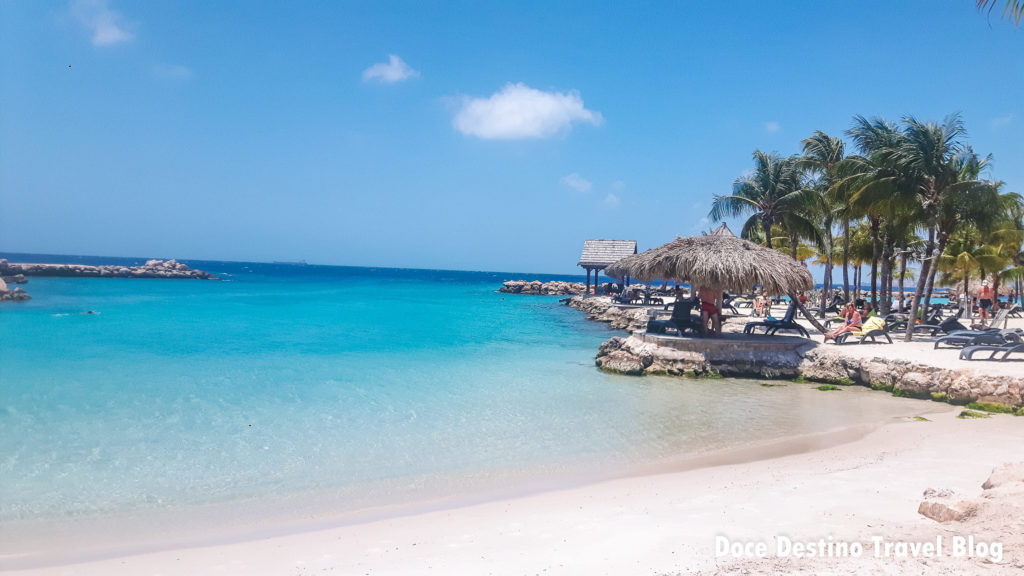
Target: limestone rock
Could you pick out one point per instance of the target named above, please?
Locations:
(944, 506)
(535, 287)
(610, 346)
(16, 295)
(1005, 475)
(624, 362)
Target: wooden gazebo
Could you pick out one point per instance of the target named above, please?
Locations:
(599, 254)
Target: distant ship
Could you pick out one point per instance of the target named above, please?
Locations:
(297, 263)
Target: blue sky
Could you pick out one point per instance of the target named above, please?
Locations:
(463, 135)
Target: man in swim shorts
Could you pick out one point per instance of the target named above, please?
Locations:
(985, 297)
(709, 310)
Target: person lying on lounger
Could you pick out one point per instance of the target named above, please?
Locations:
(851, 321)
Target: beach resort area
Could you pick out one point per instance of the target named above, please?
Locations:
(511, 288)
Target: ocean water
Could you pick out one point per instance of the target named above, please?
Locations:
(286, 393)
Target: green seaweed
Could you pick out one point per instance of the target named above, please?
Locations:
(801, 379)
(881, 386)
(904, 393)
(968, 414)
(994, 408)
(825, 387)
(940, 396)
(921, 419)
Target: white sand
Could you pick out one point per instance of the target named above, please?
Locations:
(667, 523)
(921, 350)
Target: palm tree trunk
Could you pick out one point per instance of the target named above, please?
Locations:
(874, 262)
(922, 280)
(967, 300)
(943, 239)
(826, 287)
(887, 250)
(903, 274)
(846, 259)
(810, 317)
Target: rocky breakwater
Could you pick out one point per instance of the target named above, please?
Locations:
(603, 309)
(913, 379)
(538, 288)
(169, 269)
(731, 355)
(781, 357)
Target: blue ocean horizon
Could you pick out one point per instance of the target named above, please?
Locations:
(296, 392)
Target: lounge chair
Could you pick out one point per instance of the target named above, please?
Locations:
(963, 338)
(830, 308)
(872, 328)
(1006, 349)
(772, 326)
(949, 325)
(1015, 312)
(728, 304)
(681, 320)
(999, 318)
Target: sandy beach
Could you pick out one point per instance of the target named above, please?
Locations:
(668, 523)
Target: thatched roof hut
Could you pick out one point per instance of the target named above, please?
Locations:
(1004, 287)
(719, 261)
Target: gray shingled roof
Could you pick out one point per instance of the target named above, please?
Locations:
(600, 253)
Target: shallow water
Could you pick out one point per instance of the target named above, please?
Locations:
(346, 387)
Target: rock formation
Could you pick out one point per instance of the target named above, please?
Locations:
(170, 269)
(603, 309)
(16, 295)
(536, 287)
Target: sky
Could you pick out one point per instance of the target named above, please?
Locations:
(454, 135)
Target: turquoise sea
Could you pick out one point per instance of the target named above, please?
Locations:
(288, 397)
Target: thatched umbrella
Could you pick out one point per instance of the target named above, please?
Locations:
(725, 262)
(721, 262)
(1004, 288)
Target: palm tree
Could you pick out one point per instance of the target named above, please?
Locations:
(772, 195)
(1014, 9)
(928, 163)
(967, 256)
(822, 154)
(875, 189)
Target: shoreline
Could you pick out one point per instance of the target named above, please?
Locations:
(656, 523)
(88, 539)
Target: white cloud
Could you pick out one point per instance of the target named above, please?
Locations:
(519, 111)
(394, 70)
(611, 200)
(576, 182)
(618, 185)
(1002, 121)
(108, 27)
(772, 126)
(172, 72)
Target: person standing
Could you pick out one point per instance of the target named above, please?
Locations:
(709, 311)
(985, 298)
